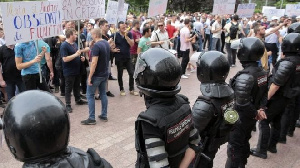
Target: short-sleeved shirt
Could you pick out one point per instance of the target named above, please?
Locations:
(160, 36)
(216, 26)
(198, 26)
(27, 51)
(101, 49)
(70, 68)
(7, 59)
(135, 35)
(144, 44)
(171, 30)
(227, 28)
(124, 47)
(184, 34)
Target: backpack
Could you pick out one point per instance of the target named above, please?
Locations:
(234, 28)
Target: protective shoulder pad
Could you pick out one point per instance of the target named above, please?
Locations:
(284, 70)
(183, 97)
(147, 118)
(202, 112)
(243, 87)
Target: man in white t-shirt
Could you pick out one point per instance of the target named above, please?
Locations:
(185, 43)
(160, 37)
(216, 30)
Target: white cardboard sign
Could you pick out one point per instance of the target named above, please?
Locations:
(157, 7)
(223, 7)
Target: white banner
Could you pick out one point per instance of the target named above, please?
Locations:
(223, 7)
(267, 7)
(274, 12)
(120, 7)
(157, 7)
(292, 9)
(112, 12)
(123, 14)
(26, 21)
(83, 9)
(245, 10)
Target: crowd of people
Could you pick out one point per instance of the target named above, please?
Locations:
(267, 89)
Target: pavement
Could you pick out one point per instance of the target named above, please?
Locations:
(114, 140)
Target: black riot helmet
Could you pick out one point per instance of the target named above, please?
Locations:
(250, 49)
(36, 126)
(291, 43)
(212, 67)
(157, 73)
(294, 28)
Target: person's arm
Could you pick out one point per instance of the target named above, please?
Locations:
(92, 69)
(276, 28)
(71, 57)
(2, 82)
(188, 158)
(139, 50)
(49, 64)
(129, 40)
(273, 89)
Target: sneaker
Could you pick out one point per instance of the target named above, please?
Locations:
(56, 89)
(88, 122)
(233, 65)
(187, 74)
(184, 77)
(69, 109)
(256, 153)
(82, 96)
(135, 93)
(103, 118)
(81, 102)
(110, 94)
(111, 78)
(98, 97)
(122, 93)
(193, 70)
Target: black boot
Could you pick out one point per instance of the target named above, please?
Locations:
(272, 149)
(256, 153)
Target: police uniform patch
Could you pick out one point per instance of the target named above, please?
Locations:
(262, 80)
(179, 129)
(230, 115)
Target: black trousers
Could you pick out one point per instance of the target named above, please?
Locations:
(62, 82)
(223, 41)
(185, 60)
(231, 54)
(238, 149)
(270, 136)
(32, 82)
(272, 47)
(120, 67)
(72, 83)
(207, 38)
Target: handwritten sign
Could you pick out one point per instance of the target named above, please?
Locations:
(274, 12)
(122, 16)
(26, 21)
(112, 12)
(292, 9)
(157, 7)
(264, 8)
(83, 9)
(245, 10)
(120, 7)
(223, 7)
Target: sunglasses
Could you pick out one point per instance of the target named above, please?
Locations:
(160, 25)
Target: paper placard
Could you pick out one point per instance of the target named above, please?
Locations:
(26, 21)
(292, 9)
(83, 9)
(269, 13)
(123, 15)
(267, 7)
(245, 10)
(112, 12)
(223, 7)
(157, 7)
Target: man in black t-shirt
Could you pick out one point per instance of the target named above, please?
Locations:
(71, 57)
(11, 76)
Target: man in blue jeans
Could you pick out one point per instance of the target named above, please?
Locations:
(98, 76)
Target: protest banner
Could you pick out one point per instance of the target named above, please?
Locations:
(269, 13)
(292, 9)
(267, 7)
(26, 21)
(245, 10)
(222, 7)
(111, 12)
(83, 9)
(120, 7)
(122, 16)
(157, 7)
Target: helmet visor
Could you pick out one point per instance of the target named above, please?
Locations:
(236, 44)
(140, 66)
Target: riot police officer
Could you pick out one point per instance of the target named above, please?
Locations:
(285, 85)
(250, 87)
(165, 130)
(213, 113)
(37, 128)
